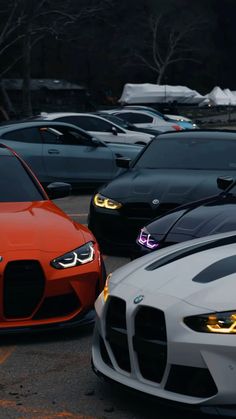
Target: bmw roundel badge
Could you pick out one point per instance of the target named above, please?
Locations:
(138, 299)
(155, 202)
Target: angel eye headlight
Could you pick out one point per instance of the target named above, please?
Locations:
(103, 202)
(146, 240)
(80, 256)
(224, 322)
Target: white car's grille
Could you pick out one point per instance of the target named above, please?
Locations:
(149, 341)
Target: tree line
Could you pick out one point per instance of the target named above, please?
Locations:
(107, 43)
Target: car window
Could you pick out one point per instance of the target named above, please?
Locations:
(135, 118)
(118, 121)
(63, 135)
(28, 135)
(16, 185)
(197, 153)
(89, 123)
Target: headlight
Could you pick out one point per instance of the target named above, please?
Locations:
(103, 202)
(106, 291)
(80, 256)
(224, 322)
(146, 240)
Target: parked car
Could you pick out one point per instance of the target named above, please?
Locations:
(127, 125)
(146, 119)
(50, 266)
(172, 170)
(60, 151)
(216, 214)
(99, 126)
(183, 121)
(166, 325)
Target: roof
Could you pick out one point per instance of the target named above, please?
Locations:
(37, 84)
(198, 133)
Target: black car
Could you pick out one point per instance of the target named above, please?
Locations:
(172, 170)
(213, 215)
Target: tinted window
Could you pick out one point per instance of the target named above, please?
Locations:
(16, 185)
(198, 153)
(28, 135)
(118, 121)
(135, 118)
(64, 135)
(89, 123)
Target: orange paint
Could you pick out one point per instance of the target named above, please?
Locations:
(33, 234)
(5, 353)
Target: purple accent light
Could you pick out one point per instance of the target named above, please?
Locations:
(145, 239)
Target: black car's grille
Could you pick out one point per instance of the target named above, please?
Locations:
(116, 332)
(23, 288)
(145, 210)
(150, 343)
(149, 340)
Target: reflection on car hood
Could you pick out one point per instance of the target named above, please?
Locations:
(176, 279)
(215, 217)
(177, 186)
(37, 226)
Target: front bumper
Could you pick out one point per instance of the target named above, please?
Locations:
(115, 232)
(82, 319)
(197, 369)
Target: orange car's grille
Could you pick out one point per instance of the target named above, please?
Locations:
(23, 288)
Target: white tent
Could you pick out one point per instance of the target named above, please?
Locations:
(218, 97)
(231, 96)
(154, 93)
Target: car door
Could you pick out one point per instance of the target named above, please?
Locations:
(27, 142)
(71, 156)
(100, 128)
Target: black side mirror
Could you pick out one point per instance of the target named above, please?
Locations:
(123, 162)
(224, 182)
(58, 190)
(96, 142)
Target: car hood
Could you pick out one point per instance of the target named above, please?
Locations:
(37, 226)
(183, 279)
(173, 186)
(213, 217)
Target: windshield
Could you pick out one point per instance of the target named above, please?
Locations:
(117, 121)
(16, 185)
(195, 154)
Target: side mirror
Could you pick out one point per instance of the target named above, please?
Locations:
(114, 130)
(224, 182)
(58, 190)
(96, 142)
(123, 162)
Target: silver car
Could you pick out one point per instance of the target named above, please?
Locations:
(60, 151)
(98, 125)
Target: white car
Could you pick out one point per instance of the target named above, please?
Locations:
(166, 324)
(100, 127)
(146, 119)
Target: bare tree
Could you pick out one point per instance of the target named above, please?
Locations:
(25, 22)
(169, 42)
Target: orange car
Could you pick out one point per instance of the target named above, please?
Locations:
(51, 270)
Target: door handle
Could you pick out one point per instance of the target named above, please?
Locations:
(53, 151)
